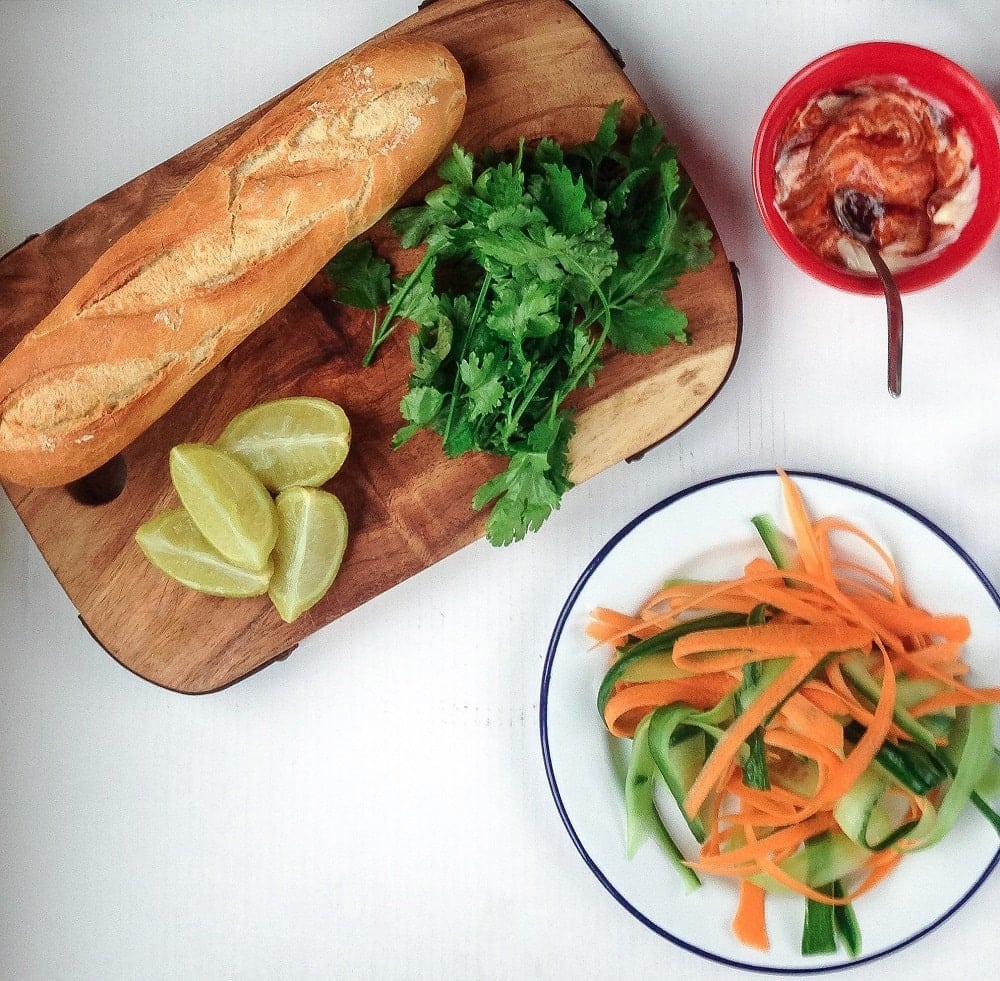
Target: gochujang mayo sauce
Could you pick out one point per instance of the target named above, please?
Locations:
(886, 139)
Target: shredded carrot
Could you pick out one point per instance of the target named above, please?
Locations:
(727, 747)
(808, 719)
(607, 626)
(852, 705)
(825, 617)
(756, 643)
(909, 621)
(880, 865)
(819, 693)
(810, 551)
(959, 695)
(805, 606)
(631, 702)
(859, 759)
(690, 596)
(943, 653)
(750, 921)
(735, 861)
(823, 529)
(685, 598)
(803, 746)
(775, 806)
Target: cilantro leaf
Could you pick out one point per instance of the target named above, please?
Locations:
(502, 186)
(484, 388)
(548, 151)
(527, 310)
(430, 344)
(696, 245)
(595, 152)
(416, 298)
(564, 200)
(531, 487)
(413, 225)
(647, 147)
(421, 407)
(641, 328)
(458, 168)
(360, 277)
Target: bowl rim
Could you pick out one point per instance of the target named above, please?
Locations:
(931, 74)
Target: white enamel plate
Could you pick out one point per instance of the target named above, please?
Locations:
(705, 532)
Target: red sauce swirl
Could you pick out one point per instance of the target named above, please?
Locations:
(892, 143)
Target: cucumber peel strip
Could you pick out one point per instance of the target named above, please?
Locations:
(642, 818)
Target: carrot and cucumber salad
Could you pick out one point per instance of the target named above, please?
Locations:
(811, 722)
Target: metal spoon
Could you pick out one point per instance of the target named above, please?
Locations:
(857, 213)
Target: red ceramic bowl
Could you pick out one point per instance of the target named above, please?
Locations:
(932, 75)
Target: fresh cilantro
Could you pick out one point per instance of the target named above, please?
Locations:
(532, 261)
(362, 279)
(641, 328)
(531, 487)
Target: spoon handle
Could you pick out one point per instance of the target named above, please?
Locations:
(894, 309)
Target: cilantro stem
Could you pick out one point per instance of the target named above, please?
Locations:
(672, 207)
(530, 391)
(595, 349)
(637, 285)
(381, 332)
(470, 327)
(571, 383)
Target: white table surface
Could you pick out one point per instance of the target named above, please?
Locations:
(376, 805)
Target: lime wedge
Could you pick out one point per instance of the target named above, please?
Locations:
(175, 546)
(227, 503)
(295, 441)
(312, 537)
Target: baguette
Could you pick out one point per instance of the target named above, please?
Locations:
(173, 296)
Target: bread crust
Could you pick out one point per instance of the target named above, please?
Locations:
(176, 294)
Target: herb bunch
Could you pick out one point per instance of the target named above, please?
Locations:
(532, 262)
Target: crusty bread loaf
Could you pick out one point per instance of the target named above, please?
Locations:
(172, 297)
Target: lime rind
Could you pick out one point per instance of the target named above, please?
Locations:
(227, 503)
(312, 539)
(298, 441)
(171, 542)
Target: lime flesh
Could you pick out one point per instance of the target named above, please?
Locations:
(312, 538)
(172, 542)
(296, 441)
(226, 502)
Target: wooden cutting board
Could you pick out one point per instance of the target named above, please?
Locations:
(533, 67)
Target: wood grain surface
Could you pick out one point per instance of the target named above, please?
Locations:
(533, 68)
